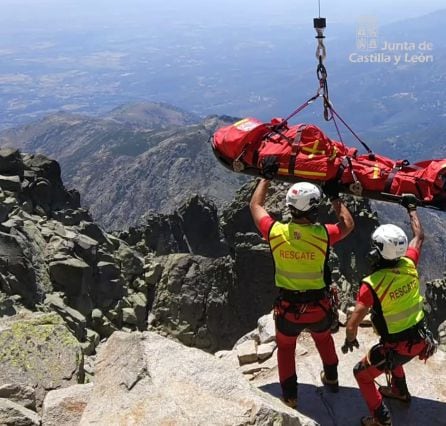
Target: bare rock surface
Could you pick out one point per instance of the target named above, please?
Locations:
(38, 350)
(196, 302)
(20, 393)
(265, 350)
(66, 406)
(267, 329)
(165, 383)
(247, 352)
(13, 414)
(54, 258)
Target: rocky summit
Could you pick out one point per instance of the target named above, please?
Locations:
(133, 317)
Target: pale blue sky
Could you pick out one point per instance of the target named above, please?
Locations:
(103, 12)
(96, 54)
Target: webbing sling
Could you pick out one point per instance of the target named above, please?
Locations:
(398, 167)
(295, 149)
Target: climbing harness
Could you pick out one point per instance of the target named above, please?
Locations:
(297, 302)
(281, 309)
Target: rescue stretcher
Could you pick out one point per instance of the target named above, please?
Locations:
(303, 152)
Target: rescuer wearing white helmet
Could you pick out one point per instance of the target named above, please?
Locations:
(390, 241)
(300, 250)
(303, 199)
(392, 292)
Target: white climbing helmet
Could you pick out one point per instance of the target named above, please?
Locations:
(391, 241)
(303, 196)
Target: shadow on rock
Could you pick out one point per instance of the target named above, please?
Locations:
(347, 407)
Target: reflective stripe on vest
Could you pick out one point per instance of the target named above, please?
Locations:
(398, 291)
(299, 253)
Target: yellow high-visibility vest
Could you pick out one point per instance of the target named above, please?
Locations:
(299, 253)
(398, 290)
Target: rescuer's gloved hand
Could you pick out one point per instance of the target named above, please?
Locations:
(331, 189)
(270, 167)
(409, 201)
(349, 346)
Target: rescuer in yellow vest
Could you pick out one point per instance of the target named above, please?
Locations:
(392, 292)
(300, 251)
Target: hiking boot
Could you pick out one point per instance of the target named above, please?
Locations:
(331, 385)
(373, 421)
(289, 391)
(388, 392)
(381, 417)
(291, 402)
(329, 377)
(398, 390)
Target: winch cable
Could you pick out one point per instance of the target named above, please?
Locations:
(330, 114)
(335, 114)
(321, 72)
(321, 53)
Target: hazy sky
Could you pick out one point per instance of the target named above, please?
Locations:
(105, 52)
(105, 12)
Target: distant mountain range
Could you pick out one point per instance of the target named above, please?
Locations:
(137, 158)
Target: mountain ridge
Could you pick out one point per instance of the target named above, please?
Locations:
(138, 157)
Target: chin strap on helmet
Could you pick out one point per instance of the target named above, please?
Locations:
(374, 257)
(310, 214)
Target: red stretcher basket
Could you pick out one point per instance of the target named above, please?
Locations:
(304, 152)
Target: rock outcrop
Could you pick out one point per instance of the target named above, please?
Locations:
(435, 306)
(165, 383)
(54, 258)
(37, 353)
(66, 406)
(13, 414)
(196, 301)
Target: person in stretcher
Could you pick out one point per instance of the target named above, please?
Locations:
(303, 152)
